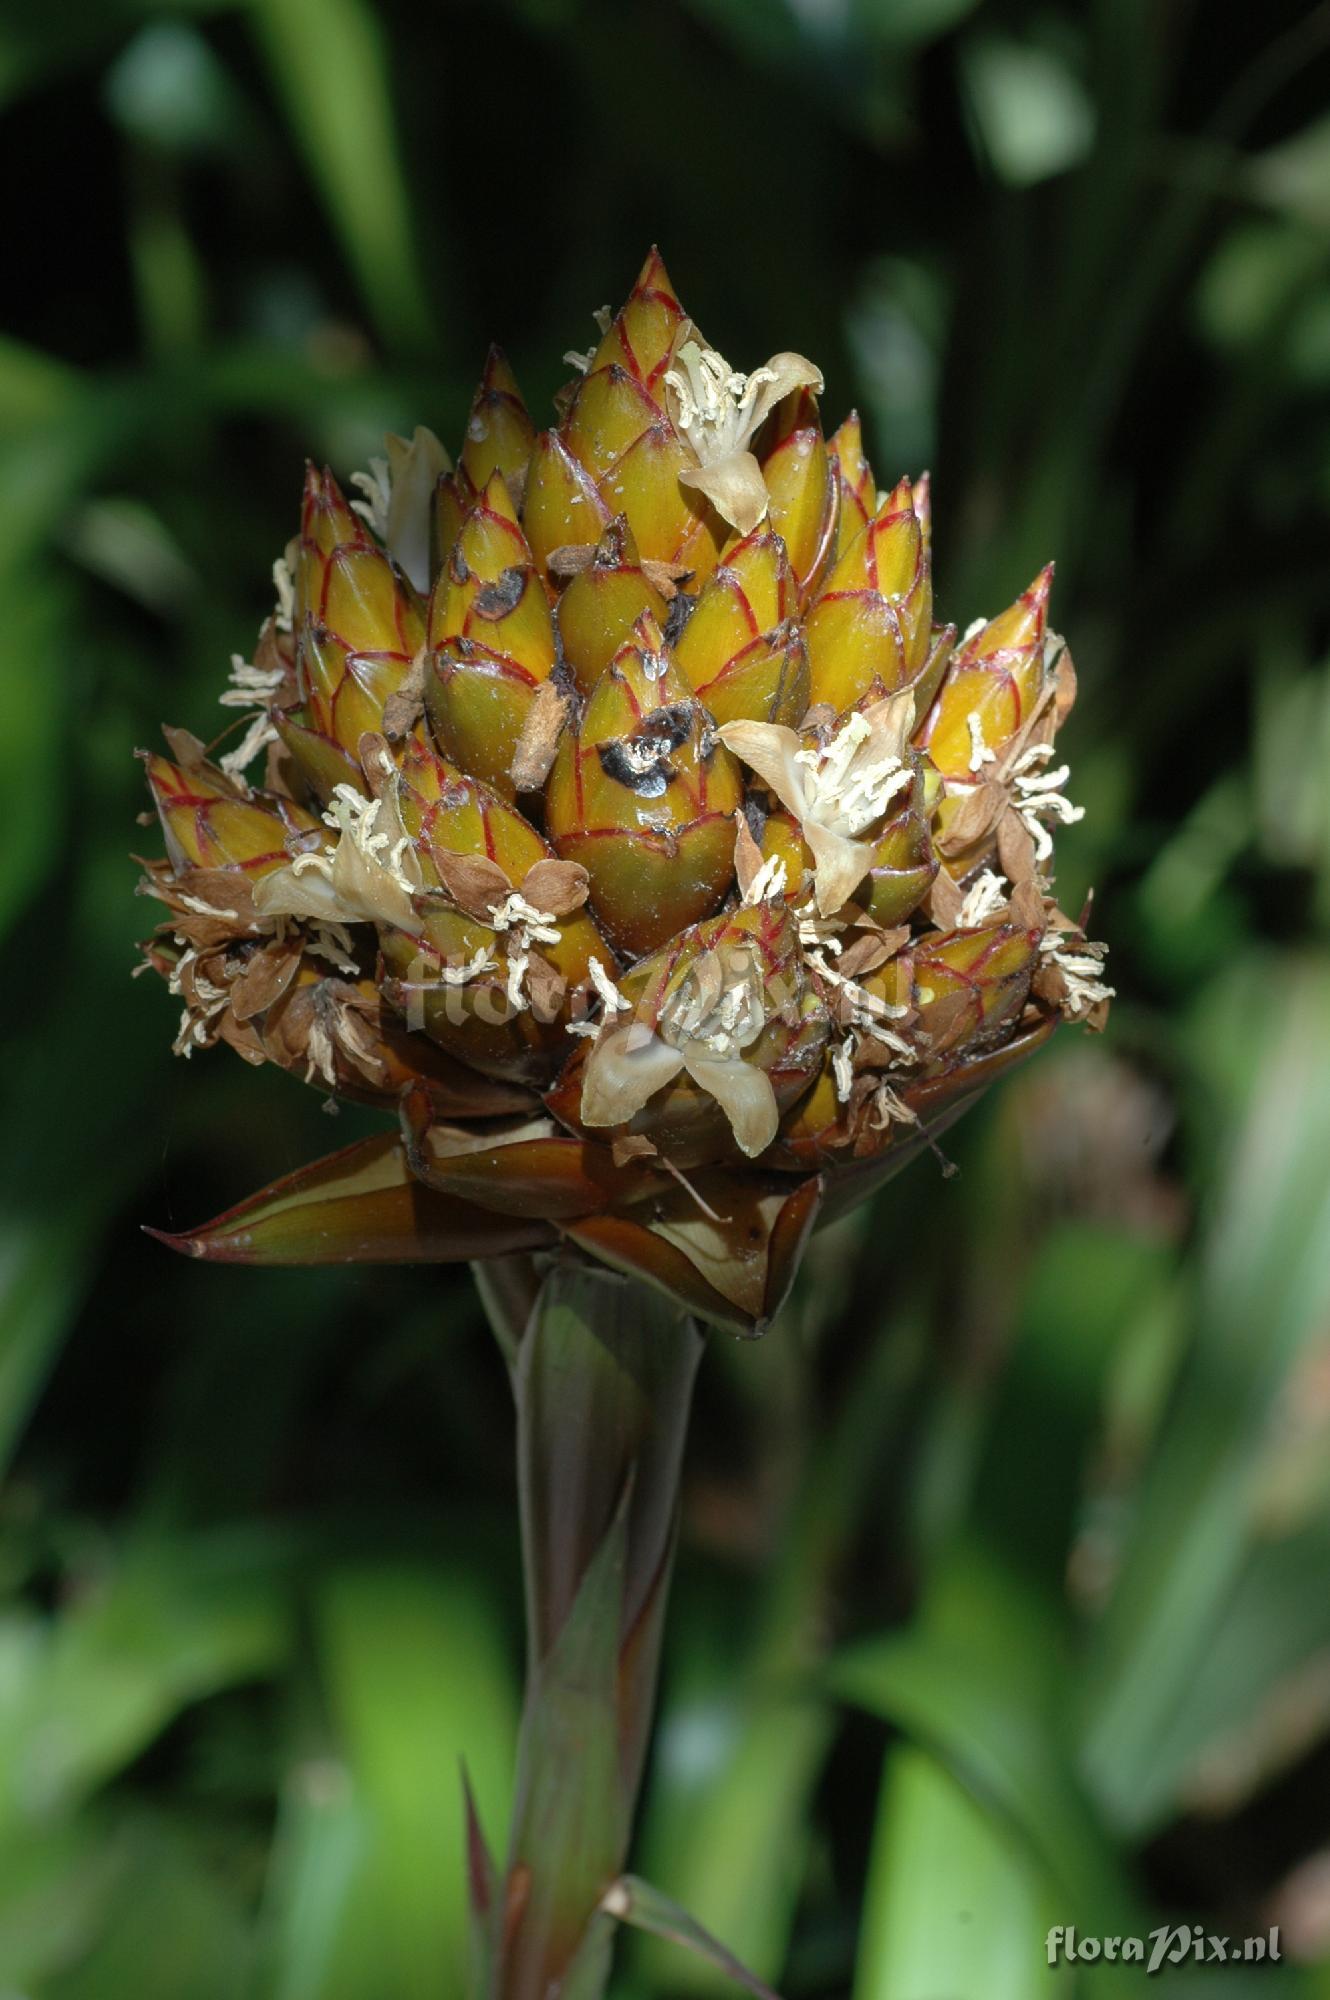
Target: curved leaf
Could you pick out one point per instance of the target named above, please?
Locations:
(359, 1206)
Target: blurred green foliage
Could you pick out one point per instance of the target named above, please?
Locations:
(1003, 1596)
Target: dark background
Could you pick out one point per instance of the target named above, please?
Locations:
(1003, 1592)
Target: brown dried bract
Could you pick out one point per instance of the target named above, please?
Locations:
(472, 881)
(545, 722)
(556, 887)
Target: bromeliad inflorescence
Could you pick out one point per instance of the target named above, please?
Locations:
(627, 827)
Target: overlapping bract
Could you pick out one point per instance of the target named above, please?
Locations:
(629, 827)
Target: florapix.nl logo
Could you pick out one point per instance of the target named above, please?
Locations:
(1169, 1945)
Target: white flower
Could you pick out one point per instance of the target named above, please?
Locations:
(837, 793)
(715, 1013)
(369, 877)
(717, 411)
(398, 490)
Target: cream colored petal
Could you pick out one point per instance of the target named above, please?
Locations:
(769, 748)
(743, 1092)
(792, 371)
(735, 487)
(891, 722)
(367, 892)
(415, 469)
(839, 865)
(626, 1067)
(308, 894)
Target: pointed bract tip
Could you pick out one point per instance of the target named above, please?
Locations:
(653, 277)
(186, 1246)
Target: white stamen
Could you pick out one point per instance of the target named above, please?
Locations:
(715, 401)
(604, 319)
(250, 688)
(377, 487)
(322, 1056)
(284, 585)
(333, 942)
(458, 975)
(985, 896)
(1041, 795)
(767, 884)
(608, 991)
(249, 683)
(202, 909)
(529, 926)
(846, 789)
(980, 754)
(842, 1066)
(889, 1109)
(1080, 965)
(257, 736)
(725, 1023)
(868, 1010)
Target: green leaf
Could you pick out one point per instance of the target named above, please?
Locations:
(1033, 114)
(32, 719)
(330, 62)
(1265, 1295)
(81, 1695)
(416, 1675)
(990, 1729)
(43, 1277)
(635, 1902)
(954, 1906)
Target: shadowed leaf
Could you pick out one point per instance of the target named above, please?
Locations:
(358, 1206)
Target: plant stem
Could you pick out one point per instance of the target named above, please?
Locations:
(603, 1375)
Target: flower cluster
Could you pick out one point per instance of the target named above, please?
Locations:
(628, 827)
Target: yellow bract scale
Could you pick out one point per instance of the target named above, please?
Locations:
(991, 686)
(750, 594)
(493, 639)
(643, 335)
(738, 649)
(643, 799)
(781, 840)
(870, 629)
(602, 604)
(207, 826)
(508, 615)
(803, 501)
(968, 981)
(670, 523)
(858, 493)
(499, 432)
(903, 865)
(347, 692)
(366, 606)
(609, 413)
(562, 507)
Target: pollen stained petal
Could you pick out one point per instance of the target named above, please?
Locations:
(624, 1071)
(744, 1094)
